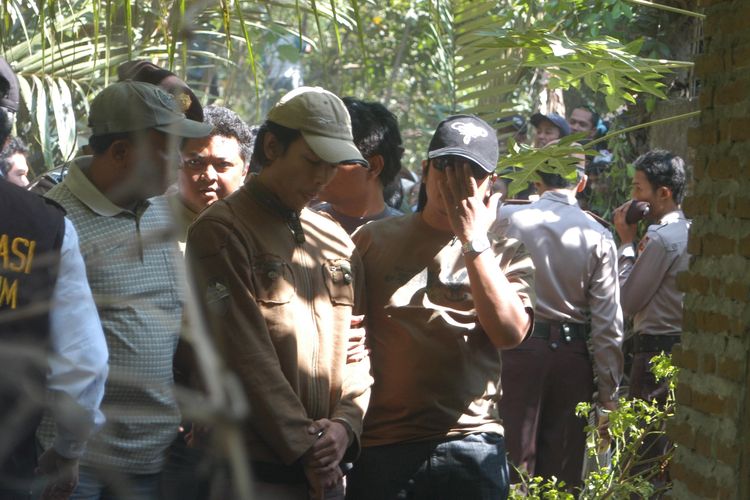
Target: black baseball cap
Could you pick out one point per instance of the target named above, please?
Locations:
(9, 96)
(557, 120)
(467, 136)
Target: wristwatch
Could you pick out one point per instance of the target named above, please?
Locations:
(476, 245)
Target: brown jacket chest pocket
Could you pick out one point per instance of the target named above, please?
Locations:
(274, 281)
(338, 276)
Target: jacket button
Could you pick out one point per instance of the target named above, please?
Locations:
(554, 345)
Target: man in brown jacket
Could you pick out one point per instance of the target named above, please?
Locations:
(282, 284)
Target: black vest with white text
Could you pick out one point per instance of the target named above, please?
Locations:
(31, 235)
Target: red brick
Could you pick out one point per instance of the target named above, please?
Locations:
(714, 322)
(713, 404)
(737, 291)
(739, 128)
(729, 454)
(742, 208)
(695, 244)
(731, 369)
(709, 64)
(738, 21)
(681, 433)
(696, 205)
(688, 282)
(731, 93)
(709, 363)
(724, 167)
(724, 205)
(738, 328)
(685, 358)
(718, 245)
(684, 394)
(703, 444)
(740, 56)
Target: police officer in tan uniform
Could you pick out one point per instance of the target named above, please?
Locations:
(577, 303)
(649, 269)
(648, 277)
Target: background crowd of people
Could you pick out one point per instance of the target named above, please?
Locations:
(396, 334)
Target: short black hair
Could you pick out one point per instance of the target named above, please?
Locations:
(15, 145)
(285, 135)
(227, 123)
(554, 180)
(663, 169)
(375, 131)
(594, 115)
(6, 123)
(99, 144)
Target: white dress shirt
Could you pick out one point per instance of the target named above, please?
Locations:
(78, 365)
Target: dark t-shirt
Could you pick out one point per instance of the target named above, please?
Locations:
(350, 224)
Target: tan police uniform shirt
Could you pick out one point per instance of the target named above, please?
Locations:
(576, 275)
(281, 315)
(436, 372)
(648, 278)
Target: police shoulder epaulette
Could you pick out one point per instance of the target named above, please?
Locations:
(514, 201)
(605, 223)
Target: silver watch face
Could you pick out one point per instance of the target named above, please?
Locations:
(477, 245)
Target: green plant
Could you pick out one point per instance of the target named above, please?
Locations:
(632, 426)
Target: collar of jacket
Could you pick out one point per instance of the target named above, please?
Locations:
(269, 200)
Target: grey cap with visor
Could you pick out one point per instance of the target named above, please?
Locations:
(323, 120)
(131, 106)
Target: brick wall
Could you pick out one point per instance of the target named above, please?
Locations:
(712, 424)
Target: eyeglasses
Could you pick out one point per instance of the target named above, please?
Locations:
(441, 162)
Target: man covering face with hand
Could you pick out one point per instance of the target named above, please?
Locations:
(442, 299)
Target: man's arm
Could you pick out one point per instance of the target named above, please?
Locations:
(606, 321)
(78, 367)
(501, 311)
(640, 280)
(223, 275)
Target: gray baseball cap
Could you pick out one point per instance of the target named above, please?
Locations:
(322, 119)
(130, 106)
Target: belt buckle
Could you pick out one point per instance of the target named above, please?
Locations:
(565, 332)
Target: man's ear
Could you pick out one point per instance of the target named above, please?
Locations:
(582, 183)
(376, 166)
(271, 146)
(120, 151)
(425, 163)
(664, 193)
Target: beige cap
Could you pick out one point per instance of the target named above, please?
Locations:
(322, 119)
(132, 106)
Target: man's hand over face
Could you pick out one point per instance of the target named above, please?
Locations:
(469, 211)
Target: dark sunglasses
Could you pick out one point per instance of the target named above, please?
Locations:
(441, 162)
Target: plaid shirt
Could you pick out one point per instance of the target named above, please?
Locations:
(132, 266)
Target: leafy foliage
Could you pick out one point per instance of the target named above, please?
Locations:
(633, 424)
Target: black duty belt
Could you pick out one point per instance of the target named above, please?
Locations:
(654, 343)
(568, 331)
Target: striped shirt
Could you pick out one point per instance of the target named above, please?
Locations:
(132, 265)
